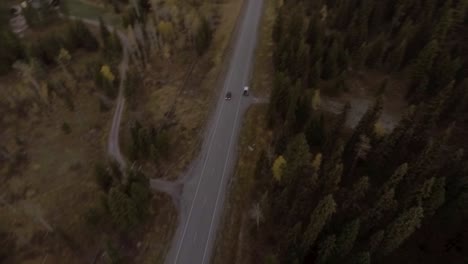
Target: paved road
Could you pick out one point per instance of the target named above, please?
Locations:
(203, 195)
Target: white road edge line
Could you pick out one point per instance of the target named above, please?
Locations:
(226, 84)
(222, 180)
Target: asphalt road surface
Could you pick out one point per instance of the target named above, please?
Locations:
(203, 195)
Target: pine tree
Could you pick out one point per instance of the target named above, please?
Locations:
(337, 129)
(436, 198)
(279, 99)
(375, 240)
(362, 258)
(401, 229)
(422, 66)
(389, 148)
(345, 241)
(103, 178)
(396, 56)
(330, 67)
(105, 34)
(330, 162)
(319, 218)
(376, 51)
(203, 37)
(364, 127)
(460, 12)
(445, 23)
(419, 193)
(122, 209)
(277, 32)
(327, 249)
(315, 73)
(358, 191)
(298, 158)
(396, 178)
(444, 70)
(315, 131)
(11, 50)
(385, 203)
(333, 179)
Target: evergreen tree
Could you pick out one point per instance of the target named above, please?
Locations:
(419, 193)
(376, 52)
(330, 163)
(364, 127)
(122, 209)
(319, 218)
(423, 65)
(401, 229)
(389, 151)
(278, 106)
(396, 56)
(277, 32)
(375, 240)
(103, 177)
(396, 178)
(298, 158)
(445, 23)
(356, 194)
(385, 203)
(314, 131)
(105, 34)
(337, 129)
(333, 179)
(362, 258)
(345, 241)
(436, 198)
(326, 249)
(315, 73)
(11, 50)
(203, 37)
(330, 67)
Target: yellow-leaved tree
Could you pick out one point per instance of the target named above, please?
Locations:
(167, 30)
(317, 162)
(107, 73)
(278, 168)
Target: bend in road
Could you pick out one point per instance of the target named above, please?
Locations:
(203, 195)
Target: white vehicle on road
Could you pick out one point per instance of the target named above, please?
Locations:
(246, 91)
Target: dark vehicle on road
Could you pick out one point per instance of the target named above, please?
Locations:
(228, 96)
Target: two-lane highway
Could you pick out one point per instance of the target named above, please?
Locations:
(204, 194)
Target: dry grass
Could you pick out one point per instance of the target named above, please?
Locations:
(56, 178)
(262, 81)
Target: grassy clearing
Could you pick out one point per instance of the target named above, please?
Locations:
(55, 180)
(84, 9)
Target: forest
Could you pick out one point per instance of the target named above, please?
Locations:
(332, 194)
